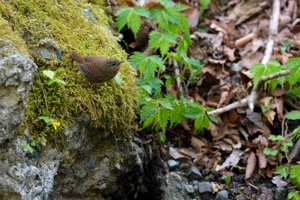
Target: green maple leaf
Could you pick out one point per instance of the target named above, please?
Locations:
(197, 112)
(148, 110)
(132, 17)
(162, 41)
(147, 65)
(259, 70)
(293, 64)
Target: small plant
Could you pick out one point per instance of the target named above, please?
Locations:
(27, 146)
(170, 40)
(290, 171)
(51, 121)
(227, 179)
(51, 75)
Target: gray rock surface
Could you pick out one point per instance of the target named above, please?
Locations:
(16, 78)
(205, 187)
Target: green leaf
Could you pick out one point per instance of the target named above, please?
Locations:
(227, 179)
(173, 15)
(156, 84)
(43, 140)
(270, 152)
(147, 88)
(183, 45)
(166, 3)
(296, 132)
(154, 11)
(162, 137)
(151, 84)
(180, 7)
(147, 65)
(134, 22)
(184, 24)
(214, 119)
(283, 171)
(165, 103)
(28, 147)
(56, 80)
(204, 4)
(276, 138)
(163, 118)
(295, 91)
(131, 17)
(148, 110)
(194, 110)
(192, 63)
(45, 118)
(295, 174)
(49, 74)
(293, 64)
(122, 17)
(162, 20)
(142, 11)
(286, 44)
(260, 70)
(161, 41)
(197, 112)
(149, 121)
(201, 122)
(168, 81)
(293, 115)
(294, 195)
(176, 115)
(136, 59)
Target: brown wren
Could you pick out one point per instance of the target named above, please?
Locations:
(97, 69)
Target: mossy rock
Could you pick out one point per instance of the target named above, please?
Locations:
(49, 31)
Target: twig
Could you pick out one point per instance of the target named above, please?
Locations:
(291, 104)
(253, 186)
(251, 99)
(273, 29)
(244, 39)
(177, 74)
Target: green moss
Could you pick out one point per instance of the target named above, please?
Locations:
(7, 33)
(65, 25)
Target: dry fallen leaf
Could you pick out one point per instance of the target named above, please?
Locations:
(279, 107)
(251, 164)
(232, 160)
(197, 144)
(175, 155)
(270, 115)
(262, 159)
(261, 141)
(277, 180)
(186, 152)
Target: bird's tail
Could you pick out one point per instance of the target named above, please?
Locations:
(75, 56)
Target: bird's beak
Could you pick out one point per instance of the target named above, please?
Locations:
(120, 62)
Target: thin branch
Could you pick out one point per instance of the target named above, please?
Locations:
(177, 75)
(251, 97)
(273, 31)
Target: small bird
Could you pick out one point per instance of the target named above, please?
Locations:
(97, 69)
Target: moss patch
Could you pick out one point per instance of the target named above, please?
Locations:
(58, 27)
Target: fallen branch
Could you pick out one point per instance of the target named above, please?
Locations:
(273, 31)
(252, 98)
